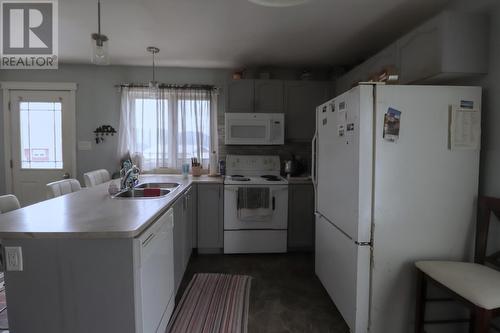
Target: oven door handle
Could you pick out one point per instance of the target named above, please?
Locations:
(274, 203)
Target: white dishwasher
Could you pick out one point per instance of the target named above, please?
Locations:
(154, 275)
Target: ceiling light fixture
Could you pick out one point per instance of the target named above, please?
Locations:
(279, 3)
(99, 41)
(153, 84)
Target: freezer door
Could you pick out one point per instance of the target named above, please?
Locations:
(344, 270)
(344, 162)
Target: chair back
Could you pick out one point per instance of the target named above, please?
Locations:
(62, 187)
(96, 177)
(8, 202)
(486, 206)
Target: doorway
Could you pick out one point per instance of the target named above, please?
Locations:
(41, 141)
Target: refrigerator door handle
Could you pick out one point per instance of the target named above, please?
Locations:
(313, 167)
(363, 243)
(314, 155)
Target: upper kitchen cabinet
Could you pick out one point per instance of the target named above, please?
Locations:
(240, 96)
(449, 46)
(255, 96)
(268, 96)
(301, 100)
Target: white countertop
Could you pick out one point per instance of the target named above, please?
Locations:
(93, 213)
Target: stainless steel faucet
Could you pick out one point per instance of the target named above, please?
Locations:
(129, 178)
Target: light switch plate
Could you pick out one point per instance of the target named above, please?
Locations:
(13, 258)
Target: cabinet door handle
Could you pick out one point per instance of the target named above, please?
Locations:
(274, 203)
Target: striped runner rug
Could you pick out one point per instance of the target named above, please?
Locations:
(213, 303)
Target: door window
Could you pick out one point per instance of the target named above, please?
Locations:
(41, 135)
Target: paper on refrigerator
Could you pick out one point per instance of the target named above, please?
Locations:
(464, 129)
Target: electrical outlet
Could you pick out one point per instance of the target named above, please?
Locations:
(13, 258)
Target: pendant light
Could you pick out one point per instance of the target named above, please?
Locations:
(99, 41)
(153, 84)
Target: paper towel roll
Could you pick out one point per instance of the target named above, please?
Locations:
(213, 164)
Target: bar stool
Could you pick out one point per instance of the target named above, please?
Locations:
(8, 202)
(62, 187)
(96, 177)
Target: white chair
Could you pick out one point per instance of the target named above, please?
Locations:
(96, 177)
(8, 202)
(477, 285)
(62, 187)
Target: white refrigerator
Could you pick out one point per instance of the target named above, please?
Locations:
(396, 177)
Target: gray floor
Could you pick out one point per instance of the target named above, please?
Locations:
(285, 296)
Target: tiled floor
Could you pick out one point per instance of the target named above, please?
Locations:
(285, 296)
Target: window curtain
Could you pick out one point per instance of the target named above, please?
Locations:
(167, 127)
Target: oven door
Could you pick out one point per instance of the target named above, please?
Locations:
(277, 220)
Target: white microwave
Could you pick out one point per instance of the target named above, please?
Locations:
(255, 129)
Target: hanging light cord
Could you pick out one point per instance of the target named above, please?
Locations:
(154, 77)
(99, 17)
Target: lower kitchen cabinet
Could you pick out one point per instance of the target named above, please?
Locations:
(183, 234)
(301, 217)
(189, 217)
(210, 217)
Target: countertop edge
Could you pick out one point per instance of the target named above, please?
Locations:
(128, 234)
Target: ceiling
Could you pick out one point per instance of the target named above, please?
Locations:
(235, 33)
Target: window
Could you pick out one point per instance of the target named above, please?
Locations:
(41, 135)
(168, 128)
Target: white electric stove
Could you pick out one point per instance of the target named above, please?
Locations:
(255, 220)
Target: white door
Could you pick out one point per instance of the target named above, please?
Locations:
(42, 141)
(345, 162)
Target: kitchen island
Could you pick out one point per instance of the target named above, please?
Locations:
(93, 263)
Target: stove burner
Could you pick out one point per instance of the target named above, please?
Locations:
(240, 178)
(271, 178)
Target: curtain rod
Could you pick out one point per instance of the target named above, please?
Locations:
(168, 86)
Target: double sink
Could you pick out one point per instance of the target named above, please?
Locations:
(140, 191)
